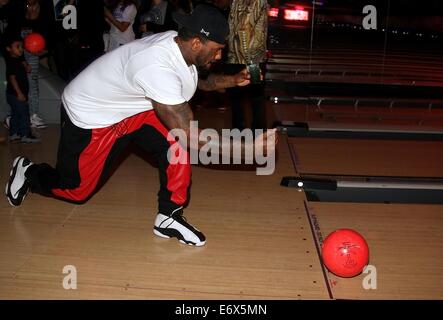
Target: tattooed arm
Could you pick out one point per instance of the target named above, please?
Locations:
(176, 116)
(221, 81)
(180, 116)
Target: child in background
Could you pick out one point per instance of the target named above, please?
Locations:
(17, 91)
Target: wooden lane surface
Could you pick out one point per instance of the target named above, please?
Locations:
(368, 157)
(259, 243)
(405, 243)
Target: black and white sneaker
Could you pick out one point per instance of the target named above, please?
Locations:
(17, 186)
(175, 225)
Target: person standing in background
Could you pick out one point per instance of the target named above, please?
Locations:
(120, 17)
(9, 19)
(248, 26)
(17, 89)
(34, 21)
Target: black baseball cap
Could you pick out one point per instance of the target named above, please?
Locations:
(206, 20)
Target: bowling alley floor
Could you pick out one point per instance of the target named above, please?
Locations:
(263, 239)
(259, 243)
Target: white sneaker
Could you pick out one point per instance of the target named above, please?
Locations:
(37, 122)
(17, 186)
(176, 226)
(7, 122)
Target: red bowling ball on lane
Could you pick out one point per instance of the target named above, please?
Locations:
(345, 253)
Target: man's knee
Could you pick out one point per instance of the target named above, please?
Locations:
(78, 195)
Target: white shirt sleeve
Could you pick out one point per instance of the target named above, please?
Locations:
(129, 13)
(160, 84)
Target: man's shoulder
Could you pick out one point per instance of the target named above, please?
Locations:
(157, 40)
(151, 53)
(157, 47)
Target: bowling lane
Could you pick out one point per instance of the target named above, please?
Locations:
(259, 241)
(405, 243)
(368, 157)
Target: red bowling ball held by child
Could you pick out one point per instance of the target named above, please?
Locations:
(34, 43)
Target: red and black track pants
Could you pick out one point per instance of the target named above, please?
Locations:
(85, 157)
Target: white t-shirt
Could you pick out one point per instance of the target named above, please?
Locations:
(116, 37)
(123, 82)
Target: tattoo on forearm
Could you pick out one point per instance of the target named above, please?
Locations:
(211, 83)
(180, 117)
(216, 82)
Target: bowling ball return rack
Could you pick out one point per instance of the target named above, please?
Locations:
(363, 189)
(303, 130)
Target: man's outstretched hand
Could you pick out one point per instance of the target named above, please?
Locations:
(243, 78)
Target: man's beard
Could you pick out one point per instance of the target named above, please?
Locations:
(203, 63)
(203, 68)
(203, 71)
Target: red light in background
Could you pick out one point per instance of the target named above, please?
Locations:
(273, 12)
(298, 15)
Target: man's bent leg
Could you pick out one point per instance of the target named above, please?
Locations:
(81, 159)
(174, 184)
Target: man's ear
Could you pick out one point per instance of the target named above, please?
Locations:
(196, 44)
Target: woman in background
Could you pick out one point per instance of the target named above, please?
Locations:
(120, 16)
